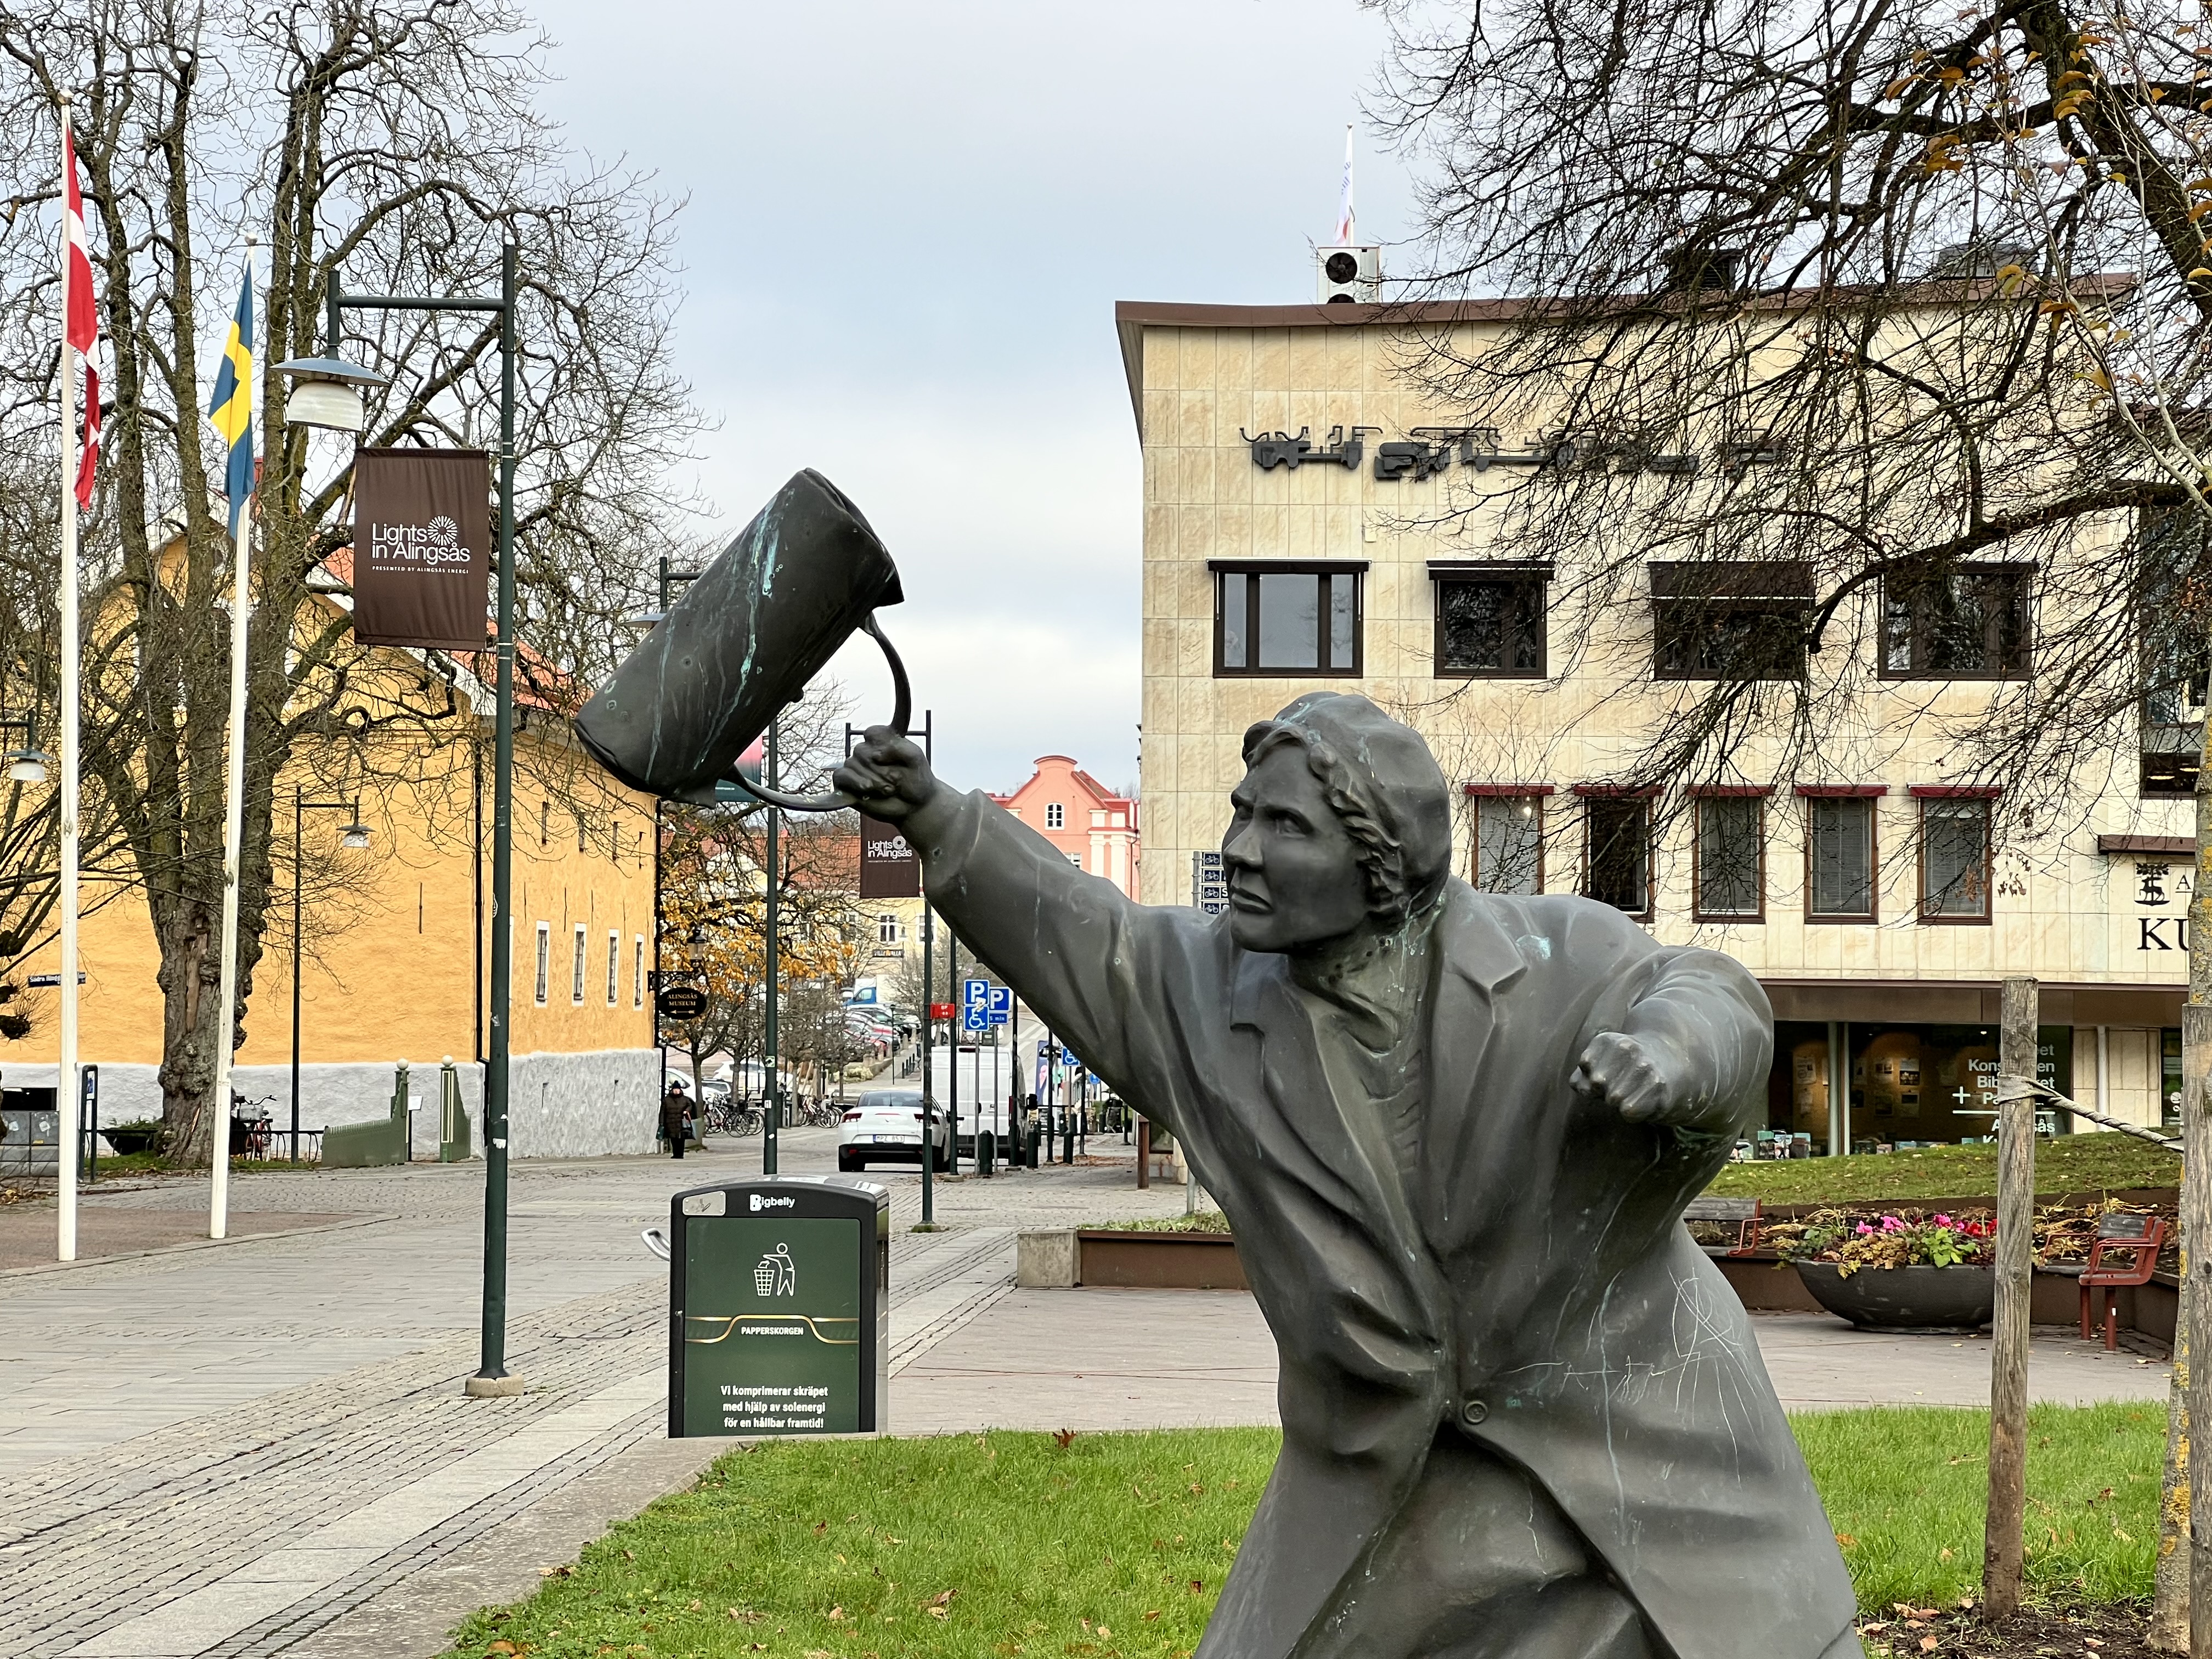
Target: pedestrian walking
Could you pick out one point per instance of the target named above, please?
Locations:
(676, 1116)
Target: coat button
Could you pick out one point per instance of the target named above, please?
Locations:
(1473, 1410)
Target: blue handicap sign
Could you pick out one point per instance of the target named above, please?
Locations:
(1002, 1004)
(975, 1019)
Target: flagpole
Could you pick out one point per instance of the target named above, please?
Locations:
(233, 823)
(65, 1076)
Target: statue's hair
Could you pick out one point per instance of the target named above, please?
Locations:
(1380, 854)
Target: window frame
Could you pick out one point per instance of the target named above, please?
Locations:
(1871, 793)
(887, 927)
(1720, 587)
(1319, 569)
(580, 969)
(1593, 794)
(1758, 795)
(637, 971)
(1055, 815)
(1497, 572)
(614, 968)
(1475, 794)
(1925, 796)
(2024, 599)
(544, 982)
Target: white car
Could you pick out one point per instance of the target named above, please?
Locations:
(884, 1126)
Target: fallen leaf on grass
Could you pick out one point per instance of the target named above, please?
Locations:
(1844, 1542)
(556, 1572)
(747, 1616)
(1942, 1555)
(1062, 1437)
(938, 1613)
(1197, 1586)
(1928, 1644)
(1153, 1614)
(836, 1615)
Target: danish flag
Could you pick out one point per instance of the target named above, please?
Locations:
(80, 320)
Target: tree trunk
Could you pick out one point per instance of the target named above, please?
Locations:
(2171, 1620)
(189, 977)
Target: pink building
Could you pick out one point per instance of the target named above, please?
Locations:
(1096, 828)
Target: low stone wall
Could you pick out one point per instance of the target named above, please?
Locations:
(560, 1105)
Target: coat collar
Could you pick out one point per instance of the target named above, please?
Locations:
(1470, 941)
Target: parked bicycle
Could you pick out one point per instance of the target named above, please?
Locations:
(252, 1130)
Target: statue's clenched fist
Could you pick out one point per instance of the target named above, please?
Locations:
(1639, 1077)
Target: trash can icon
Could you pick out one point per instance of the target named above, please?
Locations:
(776, 1275)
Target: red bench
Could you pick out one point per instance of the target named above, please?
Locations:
(2139, 1239)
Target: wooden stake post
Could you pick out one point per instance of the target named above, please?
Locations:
(2196, 1304)
(2015, 1255)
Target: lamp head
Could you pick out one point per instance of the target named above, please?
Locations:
(26, 766)
(355, 836)
(326, 392)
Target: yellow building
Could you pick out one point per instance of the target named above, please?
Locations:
(1273, 568)
(396, 942)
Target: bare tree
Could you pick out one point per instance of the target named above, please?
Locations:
(396, 142)
(1841, 300)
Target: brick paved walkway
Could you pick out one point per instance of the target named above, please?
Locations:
(230, 1451)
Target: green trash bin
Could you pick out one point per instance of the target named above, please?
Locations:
(779, 1307)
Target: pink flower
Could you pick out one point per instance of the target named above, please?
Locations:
(1890, 1223)
(1945, 1221)
(1862, 1228)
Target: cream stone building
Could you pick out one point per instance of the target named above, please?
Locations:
(1298, 536)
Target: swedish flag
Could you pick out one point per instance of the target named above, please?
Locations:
(231, 409)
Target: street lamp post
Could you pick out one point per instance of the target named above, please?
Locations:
(354, 834)
(337, 382)
(774, 1109)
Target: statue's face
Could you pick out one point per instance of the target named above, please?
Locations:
(1294, 876)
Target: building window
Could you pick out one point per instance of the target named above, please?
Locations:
(1508, 843)
(2173, 661)
(1286, 619)
(1076, 859)
(544, 960)
(637, 973)
(1055, 815)
(1968, 623)
(580, 832)
(887, 929)
(545, 822)
(1840, 857)
(576, 989)
(1490, 623)
(1731, 865)
(1954, 859)
(614, 969)
(1724, 619)
(1618, 855)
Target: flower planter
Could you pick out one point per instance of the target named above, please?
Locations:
(1951, 1299)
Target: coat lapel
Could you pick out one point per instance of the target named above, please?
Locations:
(1337, 1162)
(1476, 959)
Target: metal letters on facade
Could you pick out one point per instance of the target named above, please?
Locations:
(1430, 450)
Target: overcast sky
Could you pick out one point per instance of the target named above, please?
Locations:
(907, 226)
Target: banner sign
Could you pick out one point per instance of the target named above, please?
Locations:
(888, 868)
(422, 547)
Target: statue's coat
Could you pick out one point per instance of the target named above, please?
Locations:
(1532, 1288)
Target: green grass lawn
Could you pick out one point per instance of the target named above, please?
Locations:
(1116, 1544)
(2063, 1163)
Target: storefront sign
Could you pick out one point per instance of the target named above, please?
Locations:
(1429, 450)
(888, 868)
(779, 1308)
(2149, 911)
(421, 550)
